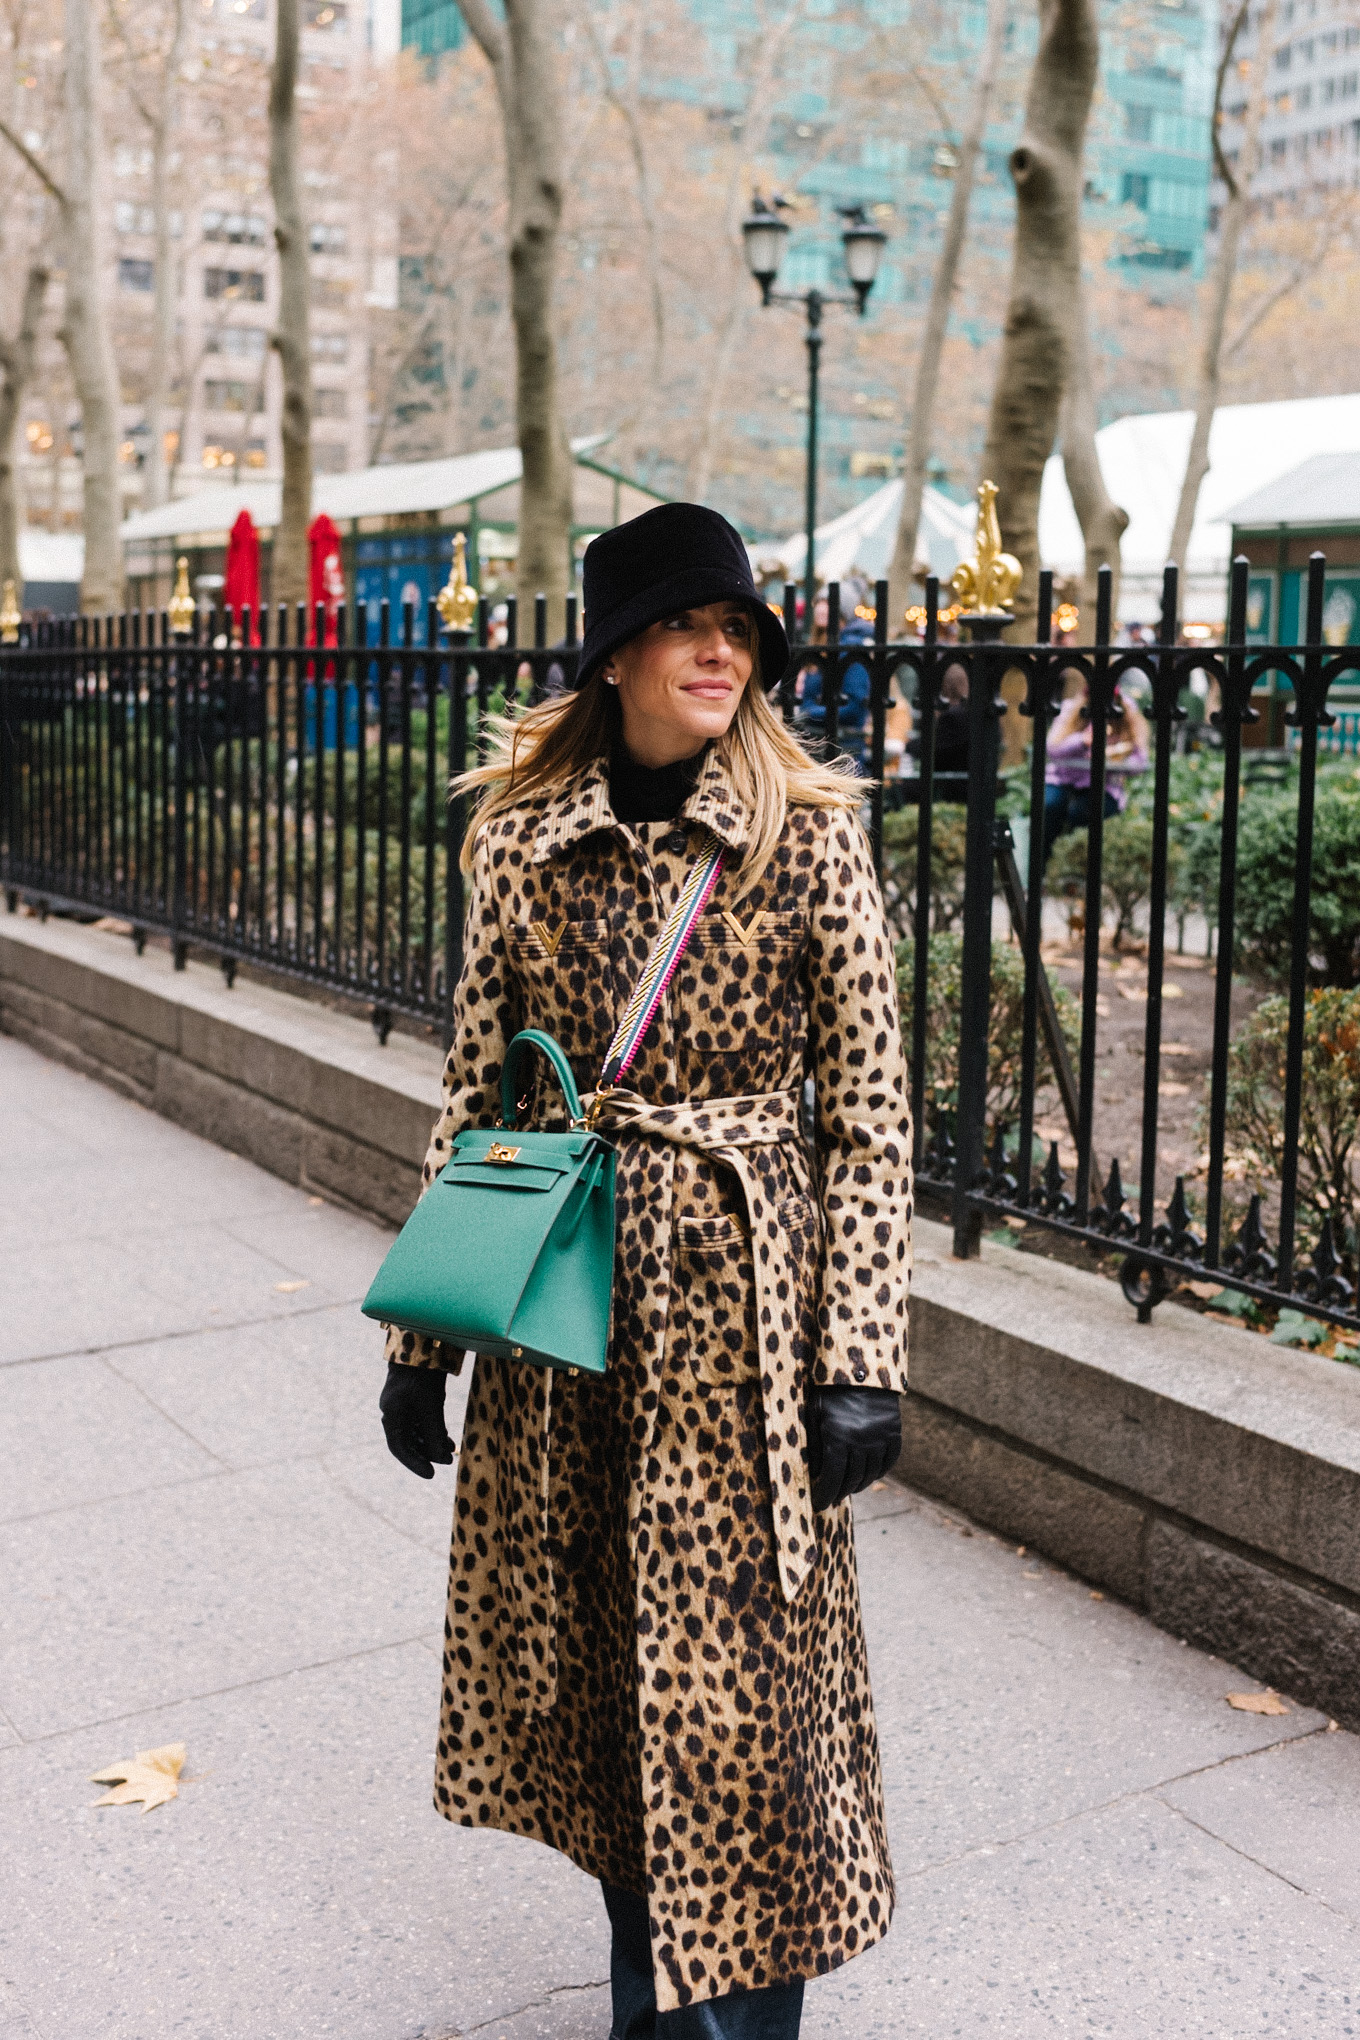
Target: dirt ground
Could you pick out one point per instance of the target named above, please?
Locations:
(1121, 1020)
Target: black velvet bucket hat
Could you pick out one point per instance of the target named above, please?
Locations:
(678, 556)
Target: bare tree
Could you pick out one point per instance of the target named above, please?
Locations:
(16, 361)
(1103, 523)
(937, 314)
(1045, 275)
(523, 64)
(84, 330)
(624, 99)
(755, 128)
(292, 337)
(1237, 184)
(159, 116)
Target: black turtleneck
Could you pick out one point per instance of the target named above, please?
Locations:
(646, 793)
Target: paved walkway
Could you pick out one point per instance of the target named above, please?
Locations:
(204, 1540)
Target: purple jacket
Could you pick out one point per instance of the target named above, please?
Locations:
(1069, 764)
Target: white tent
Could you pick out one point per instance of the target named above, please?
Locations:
(396, 487)
(1143, 460)
(864, 537)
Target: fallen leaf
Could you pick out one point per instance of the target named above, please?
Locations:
(1102, 1009)
(1205, 1291)
(1096, 1594)
(287, 1288)
(1268, 1702)
(1172, 1090)
(1173, 991)
(317, 1202)
(1133, 992)
(1177, 1048)
(151, 1776)
(1186, 962)
(1333, 1728)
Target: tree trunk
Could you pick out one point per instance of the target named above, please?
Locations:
(937, 317)
(523, 62)
(16, 359)
(85, 329)
(1102, 521)
(163, 311)
(1045, 276)
(291, 338)
(1231, 222)
(756, 119)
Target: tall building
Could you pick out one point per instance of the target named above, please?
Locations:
(1310, 131)
(229, 398)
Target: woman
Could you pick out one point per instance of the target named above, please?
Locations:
(655, 1660)
(1067, 778)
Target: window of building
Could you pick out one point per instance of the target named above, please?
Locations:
(135, 275)
(329, 403)
(133, 219)
(239, 283)
(1305, 98)
(330, 346)
(326, 14)
(1138, 123)
(1135, 189)
(1328, 92)
(1348, 84)
(248, 340)
(331, 293)
(328, 240)
(244, 228)
(1278, 151)
(231, 396)
(329, 459)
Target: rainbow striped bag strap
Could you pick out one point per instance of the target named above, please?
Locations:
(670, 946)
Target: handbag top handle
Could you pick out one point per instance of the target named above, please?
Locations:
(529, 1039)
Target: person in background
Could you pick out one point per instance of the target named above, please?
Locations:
(853, 701)
(1067, 792)
(951, 724)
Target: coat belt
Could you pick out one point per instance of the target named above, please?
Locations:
(728, 1131)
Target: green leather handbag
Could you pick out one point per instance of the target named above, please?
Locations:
(510, 1251)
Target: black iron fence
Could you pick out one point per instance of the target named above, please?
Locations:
(265, 799)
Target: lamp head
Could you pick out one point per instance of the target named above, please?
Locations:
(763, 235)
(863, 244)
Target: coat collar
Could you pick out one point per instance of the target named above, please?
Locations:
(582, 806)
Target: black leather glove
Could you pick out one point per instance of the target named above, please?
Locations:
(412, 1405)
(854, 1438)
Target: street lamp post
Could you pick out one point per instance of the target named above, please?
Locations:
(764, 233)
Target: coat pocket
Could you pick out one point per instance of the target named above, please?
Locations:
(555, 939)
(713, 1292)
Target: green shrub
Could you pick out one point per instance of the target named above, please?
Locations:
(944, 986)
(948, 848)
(1330, 1117)
(1265, 886)
(1125, 869)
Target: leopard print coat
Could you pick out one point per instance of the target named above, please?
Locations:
(654, 1655)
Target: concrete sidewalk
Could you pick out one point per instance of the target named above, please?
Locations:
(204, 1540)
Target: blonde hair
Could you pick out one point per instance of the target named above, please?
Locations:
(541, 749)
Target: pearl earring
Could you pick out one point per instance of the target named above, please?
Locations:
(611, 679)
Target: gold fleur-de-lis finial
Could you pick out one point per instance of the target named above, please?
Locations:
(988, 582)
(457, 599)
(181, 602)
(11, 616)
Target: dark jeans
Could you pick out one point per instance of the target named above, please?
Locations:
(1069, 807)
(773, 2014)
